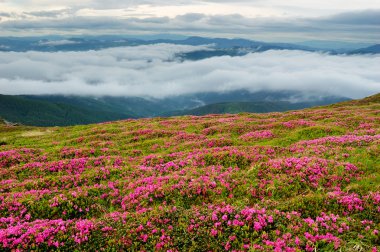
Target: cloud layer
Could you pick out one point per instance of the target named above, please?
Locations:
(350, 26)
(154, 71)
(270, 20)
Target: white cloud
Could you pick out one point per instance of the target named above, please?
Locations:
(293, 7)
(256, 19)
(153, 71)
(57, 42)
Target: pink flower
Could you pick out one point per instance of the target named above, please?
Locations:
(214, 232)
(227, 246)
(257, 226)
(297, 241)
(144, 237)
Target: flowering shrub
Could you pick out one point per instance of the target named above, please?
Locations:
(297, 181)
(263, 134)
(290, 176)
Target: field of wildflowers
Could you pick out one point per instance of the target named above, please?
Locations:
(297, 181)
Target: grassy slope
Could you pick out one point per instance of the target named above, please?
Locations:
(177, 182)
(46, 113)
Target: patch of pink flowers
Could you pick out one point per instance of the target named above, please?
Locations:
(257, 135)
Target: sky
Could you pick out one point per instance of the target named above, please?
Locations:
(155, 71)
(268, 20)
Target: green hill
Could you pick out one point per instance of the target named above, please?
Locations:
(60, 110)
(239, 107)
(28, 111)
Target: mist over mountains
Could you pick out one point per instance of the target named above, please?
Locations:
(55, 80)
(164, 70)
(228, 46)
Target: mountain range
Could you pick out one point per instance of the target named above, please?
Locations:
(58, 110)
(222, 46)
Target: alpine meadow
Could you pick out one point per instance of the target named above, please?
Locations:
(197, 125)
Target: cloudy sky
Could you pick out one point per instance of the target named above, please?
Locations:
(270, 20)
(154, 71)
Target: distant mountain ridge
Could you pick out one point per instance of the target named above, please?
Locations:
(248, 107)
(375, 49)
(234, 108)
(58, 110)
(223, 46)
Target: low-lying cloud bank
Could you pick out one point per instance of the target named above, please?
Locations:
(154, 71)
